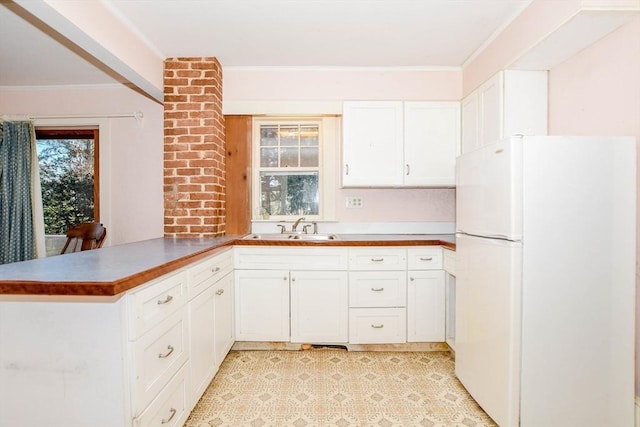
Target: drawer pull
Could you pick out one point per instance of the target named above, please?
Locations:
(377, 289)
(220, 292)
(167, 300)
(215, 270)
(377, 326)
(426, 259)
(168, 420)
(377, 259)
(165, 355)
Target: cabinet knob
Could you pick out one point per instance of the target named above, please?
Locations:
(220, 292)
(411, 278)
(285, 278)
(293, 279)
(215, 270)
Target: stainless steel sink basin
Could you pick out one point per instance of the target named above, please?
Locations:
(287, 236)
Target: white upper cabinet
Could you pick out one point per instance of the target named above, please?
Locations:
(397, 144)
(512, 102)
(431, 143)
(372, 144)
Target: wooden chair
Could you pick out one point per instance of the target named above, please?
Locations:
(90, 234)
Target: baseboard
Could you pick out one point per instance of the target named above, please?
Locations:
(637, 424)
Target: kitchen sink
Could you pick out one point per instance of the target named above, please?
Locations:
(288, 236)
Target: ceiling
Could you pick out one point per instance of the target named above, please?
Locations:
(271, 33)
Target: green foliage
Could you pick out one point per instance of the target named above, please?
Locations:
(66, 175)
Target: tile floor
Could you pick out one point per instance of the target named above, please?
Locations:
(328, 387)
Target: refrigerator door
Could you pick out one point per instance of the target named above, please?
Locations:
(488, 304)
(489, 190)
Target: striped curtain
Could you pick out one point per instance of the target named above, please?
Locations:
(18, 159)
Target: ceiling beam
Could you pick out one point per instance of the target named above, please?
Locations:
(97, 30)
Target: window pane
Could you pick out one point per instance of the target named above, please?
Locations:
(289, 194)
(268, 136)
(289, 157)
(289, 136)
(269, 157)
(309, 157)
(309, 135)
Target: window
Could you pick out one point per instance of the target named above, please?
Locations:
(288, 175)
(69, 180)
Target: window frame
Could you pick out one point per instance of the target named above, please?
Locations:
(79, 133)
(321, 169)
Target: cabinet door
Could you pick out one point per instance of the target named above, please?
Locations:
(470, 123)
(431, 143)
(224, 332)
(372, 152)
(262, 305)
(490, 98)
(319, 307)
(201, 334)
(426, 306)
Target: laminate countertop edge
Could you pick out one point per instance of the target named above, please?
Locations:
(111, 271)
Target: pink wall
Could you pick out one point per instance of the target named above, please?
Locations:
(537, 21)
(597, 92)
(321, 91)
(130, 154)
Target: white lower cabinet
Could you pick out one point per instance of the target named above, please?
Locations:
(377, 295)
(378, 325)
(210, 318)
(262, 305)
(291, 294)
(426, 295)
(319, 307)
(172, 406)
(426, 306)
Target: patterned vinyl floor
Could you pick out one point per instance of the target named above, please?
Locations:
(327, 387)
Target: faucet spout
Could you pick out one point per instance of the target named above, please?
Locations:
(295, 224)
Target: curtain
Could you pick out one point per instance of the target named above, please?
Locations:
(21, 222)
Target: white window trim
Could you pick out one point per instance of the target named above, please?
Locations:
(329, 137)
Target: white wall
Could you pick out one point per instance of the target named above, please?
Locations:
(131, 154)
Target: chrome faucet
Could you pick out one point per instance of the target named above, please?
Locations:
(295, 224)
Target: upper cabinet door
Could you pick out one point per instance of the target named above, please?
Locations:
(470, 123)
(372, 144)
(512, 102)
(431, 143)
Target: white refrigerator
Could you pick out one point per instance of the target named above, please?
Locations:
(545, 287)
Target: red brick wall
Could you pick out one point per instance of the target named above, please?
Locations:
(194, 148)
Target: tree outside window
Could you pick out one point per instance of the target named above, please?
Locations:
(68, 175)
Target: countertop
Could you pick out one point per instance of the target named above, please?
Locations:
(112, 270)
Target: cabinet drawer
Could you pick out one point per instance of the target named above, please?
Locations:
(377, 325)
(204, 274)
(449, 261)
(171, 407)
(379, 258)
(154, 303)
(158, 355)
(378, 289)
(275, 258)
(425, 258)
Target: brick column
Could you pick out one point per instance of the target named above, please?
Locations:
(194, 148)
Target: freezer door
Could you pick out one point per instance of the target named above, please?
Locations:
(489, 190)
(488, 304)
